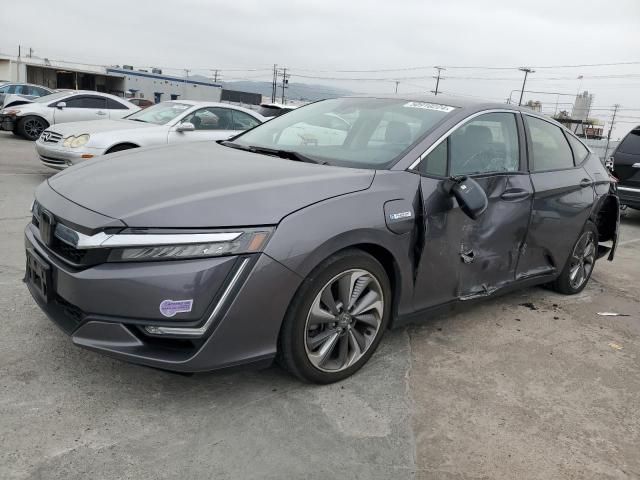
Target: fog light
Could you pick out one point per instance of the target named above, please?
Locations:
(69, 163)
(153, 330)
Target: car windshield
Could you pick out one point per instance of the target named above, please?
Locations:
(160, 114)
(51, 98)
(350, 132)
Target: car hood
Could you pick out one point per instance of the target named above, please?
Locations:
(202, 185)
(100, 126)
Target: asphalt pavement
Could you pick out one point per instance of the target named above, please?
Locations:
(531, 385)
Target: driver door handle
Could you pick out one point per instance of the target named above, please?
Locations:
(100, 112)
(515, 194)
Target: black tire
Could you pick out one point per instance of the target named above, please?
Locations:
(293, 352)
(566, 283)
(31, 127)
(120, 148)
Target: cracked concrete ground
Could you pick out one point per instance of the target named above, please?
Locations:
(499, 391)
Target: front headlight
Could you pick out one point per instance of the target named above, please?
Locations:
(75, 142)
(157, 247)
(10, 112)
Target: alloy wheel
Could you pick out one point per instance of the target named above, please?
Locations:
(33, 128)
(344, 320)
(582, 260)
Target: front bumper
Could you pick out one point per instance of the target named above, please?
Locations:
(629, 196)
(106, 308)
(54, 155)
(7, 123)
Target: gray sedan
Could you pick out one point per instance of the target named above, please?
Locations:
(180, 121)
(291, 244)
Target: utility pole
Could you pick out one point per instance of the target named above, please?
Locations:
(613, 121)
(397, 83)
(215, 76)
(274, 83)
(526, 71)
(438, 78)
(18, 63)
(285, 83)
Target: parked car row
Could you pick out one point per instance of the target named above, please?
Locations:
(164, 123)
(306, 237)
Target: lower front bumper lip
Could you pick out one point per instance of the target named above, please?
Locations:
(61, 157)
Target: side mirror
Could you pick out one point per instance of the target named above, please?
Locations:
(185, 127)
(61, 105)
(470, 196)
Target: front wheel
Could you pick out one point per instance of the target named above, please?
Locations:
(577, 271)
(337, 318)
(31, 127)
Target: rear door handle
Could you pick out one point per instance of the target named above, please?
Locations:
(100, 113)
(585, 182)
(515, 194)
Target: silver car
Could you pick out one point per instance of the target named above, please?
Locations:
(167, 122)
(31, 119)
(14, 93)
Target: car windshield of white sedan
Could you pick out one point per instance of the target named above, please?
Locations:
(160, 114)
(351, 132)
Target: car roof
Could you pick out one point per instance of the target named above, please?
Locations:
(199, 103)
(278, 105)
(2, 83)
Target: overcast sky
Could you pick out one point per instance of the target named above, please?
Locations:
(318, 39)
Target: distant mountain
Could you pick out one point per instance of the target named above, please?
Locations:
(295, 91)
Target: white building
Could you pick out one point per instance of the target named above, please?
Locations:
(125, 82)
(582, 106)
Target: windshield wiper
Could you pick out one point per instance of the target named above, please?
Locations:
(288, 154)
(230, 144)
(138, 120)
(274, 152)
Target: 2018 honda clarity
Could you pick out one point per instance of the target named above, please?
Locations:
(294, 243)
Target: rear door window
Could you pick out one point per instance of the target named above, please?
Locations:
(114, 105)
(549, 146)
(631, 143)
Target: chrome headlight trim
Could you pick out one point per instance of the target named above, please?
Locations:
(104, 240)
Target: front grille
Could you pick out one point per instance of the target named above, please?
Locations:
(51, 137)
(67, 251)
(78, 258)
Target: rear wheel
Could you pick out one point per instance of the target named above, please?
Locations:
(337, 319)
(31, 127)
(577, 271)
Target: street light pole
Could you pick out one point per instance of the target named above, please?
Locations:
(526, 71)
(438, 78)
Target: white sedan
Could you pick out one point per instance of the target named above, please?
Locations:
(164, 123)
(29, 120)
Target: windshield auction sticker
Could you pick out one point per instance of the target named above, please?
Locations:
(429, 106)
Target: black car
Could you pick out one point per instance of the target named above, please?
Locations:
(626, 167)
(303, 242)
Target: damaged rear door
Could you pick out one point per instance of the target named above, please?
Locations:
(465, 258)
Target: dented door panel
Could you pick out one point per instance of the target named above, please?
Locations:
(561, 206)
(465, 258)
